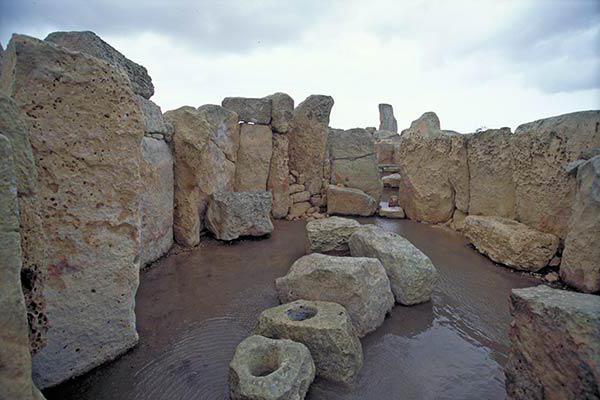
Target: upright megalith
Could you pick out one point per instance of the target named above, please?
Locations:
(85, 129)
(544, 191)
(387, 121)
(278, 182)
(205, 146)
(256, 111)
(308, 139)
(282, 112)
(580, 265)
(254, 158)
(15, 368)
(353, 161)
(90, 43)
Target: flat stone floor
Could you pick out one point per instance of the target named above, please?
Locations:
(193, 309)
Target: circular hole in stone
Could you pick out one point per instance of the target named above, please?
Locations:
(264, 361)
(301, 313)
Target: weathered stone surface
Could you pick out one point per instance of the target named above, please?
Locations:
(491, 186)
(458, 220)
(282, 111)
(299, 209)
(270, 369)
(15, 371)
(426, 126)
(330, 235)
(278, 182)
(254, 158)
(412, 274)
(325, 328)
(156, 205)
(385, 151)
(256, 111)
(386, 118)
(89, 43)
(371, 129)
(154, 122)
(33, 240)
(205, 147)
(544, 190)
(348, 201)
(392, 181)
(353, 161)
(308, 139)
(510, 243)
(385, 135)
(435, 176)
(359, 284)
(88, 160)
(392, 212)
(234, 214)
(555, 345)
(580, 265)
(301, 197)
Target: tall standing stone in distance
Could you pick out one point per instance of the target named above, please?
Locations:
(15, 368)
(580, 265)
(282, 112)
(308, 139)
(86, 130)
(387, 121)
(90, 43)
(205, 147)
(254, 158)
(279, 176)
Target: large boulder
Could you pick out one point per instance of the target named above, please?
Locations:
(386, 118)
(254, 158)
(270, 369)
(359, 284)
(205, 147)
(156, 205)
(426, 126)
(15, 372)
(544, 190)
(412, 274)
(282, 111)
(555, 345)
(491, 186)
(325, 328)
(278, 182)
(256, 111)
(510, 242)
(348, 201)
(435, 176)
(231, 215)
(308, 139)
(580, 265)
(88, 42)
(330, 235)
(353, 161)
(33, 238)
(88, 160)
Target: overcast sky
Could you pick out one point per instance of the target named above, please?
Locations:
(475, 63)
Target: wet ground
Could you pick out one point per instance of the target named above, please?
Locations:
(194, 308)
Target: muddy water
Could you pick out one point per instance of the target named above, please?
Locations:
(194, 308)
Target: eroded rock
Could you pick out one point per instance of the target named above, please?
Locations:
(392, 212)
(330, 235)
(348, 201)
(392, 180)
(282, 111)
(278, 182)
(510, 242)
(254, 158)
(154, 123)
(426, 126)
(386, 118)
(359, 284)
(254, 110)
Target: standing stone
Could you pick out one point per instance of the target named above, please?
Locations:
(88, 160)
(282, 112)
(348, 201)
(308, 139)
(33, 239)
(154, 122)
(580, 265)
(15, 369)
(354, 162)
(278, 182)
(234, 214)
(386, 118)
(330, 235)
(385, 135)
(156, 205)
(491, 186)
(205, 147)
(510, 243)
(426, 126)
(256, 111)
(254, 158)
(544, 190)
(554, 345)
(88, 42)
(359, 284)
